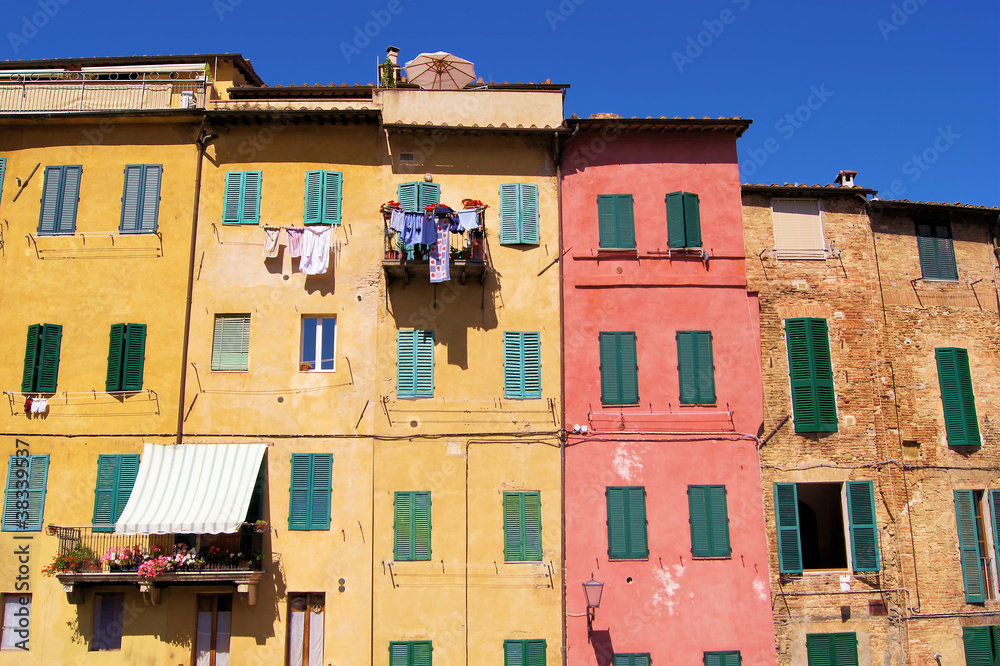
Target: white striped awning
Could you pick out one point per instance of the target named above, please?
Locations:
(191, 488)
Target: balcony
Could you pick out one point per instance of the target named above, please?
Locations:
(467, 256)
(102, 89)
(177, 559)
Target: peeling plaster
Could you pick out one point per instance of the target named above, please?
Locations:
(626, 463)
(667, 588)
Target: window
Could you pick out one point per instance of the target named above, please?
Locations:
(627, 523)
(982, 645)
(798, 229)
(832, 649)
(959, 402)
(41, 359)
(616, 221)
(109, 618)
(977, 520)
(811, 532)
(709, 521)
(410, 653)
(414, 196)
(24, 499)
(231, 344)
(323, 197)
(524, 653)
(126, 354)
(813, 402)
(141, 198)
(728, 658)
(241, 204)
(519, 214)
(695, 367)
(522, 526)
(683, 220)
(60, 197)
(412, 526)
(619, 369)
(16, 621)
(415, 364)
(310, 491)
(937, 252)
(632, 659)
(305, 629)
(115, 478)
(215, 621)
(522, 365)
(318, 335)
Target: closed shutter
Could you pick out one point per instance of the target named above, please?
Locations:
(250, 203)
(513, 653)
(709, 520)
(116, 351)
(616, 221)
(135, 356)
(412, 527)
(625, 221)
(637, 541)
(619, 369)
(610, 384)
(958, 400)
(232, 201)
(31, 353)
(406, 364)
(627, 523)
(628, 369)
(69, 199)
(968, 545)
(641, 659)
(786, 516)
(399, 654)
(402, 545)
(532, 526)
(48, 362)
(798, 229)
(115, 479)
(729, 658)
(131, 199)
(421, 653)
(534, 653)
(231, 344)
(510, 214)
(529, 214)
(695, 367)
(813, 400)
(300, 492)
(617, 544)
(24, 498)
(522, 523)
(321, 491)
(937, 252)
(332, 196)
(407, 195)
(675, 220)
(606, 220)
(692, 220)
(424, 341)
(864, 532)
(421, 526)
(141, 198)
(427, 193)
(314, 197)
(979, 646)
(622, 660)
(522, 365)
(699, 520)
(845, 649)
(149, 211)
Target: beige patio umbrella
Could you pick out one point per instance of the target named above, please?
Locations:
(440, 71)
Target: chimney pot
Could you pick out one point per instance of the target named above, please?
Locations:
(846, 178)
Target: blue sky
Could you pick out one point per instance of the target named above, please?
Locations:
(906, 92)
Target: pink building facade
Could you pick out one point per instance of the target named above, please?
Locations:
(663, 398)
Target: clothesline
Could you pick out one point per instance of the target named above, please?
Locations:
(310, 244)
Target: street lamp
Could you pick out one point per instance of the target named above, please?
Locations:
(593, 590)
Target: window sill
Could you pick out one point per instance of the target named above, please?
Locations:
(701, 558)
(939, 280)
(620, 404)
(628, 559)
(229, 370)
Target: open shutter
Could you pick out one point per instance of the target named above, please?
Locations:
(407, 195)
(332, 195)
(406, 364)
(978, 646)
(994, 506)
(513, 356)
(629, 369)
(250, 203)
(864, 532)
(421, 526)
(149, 211)
(617, 546)
(424, 363)
(786, 516)
(314, 197)
(31, 350)
(945, 246)
(30, 518)
(128, 469)
(826, 401)
(529, 214)
(48, 363)
(403, 527)
(321, 490)
(606, 220)
(625, 221)
(49, 213)
(131, 199)
(513, 527)
(958, 400)
(135, 356)
(510, 214)
(3, 168)
(300, 490)
(675, 220)
(105, 493)
(692, 220)
(968, 544)
(232, 201)
(427, 193)
(116, 350)
(70, 196)
(532, 526)
(638, 546)
(18, 469)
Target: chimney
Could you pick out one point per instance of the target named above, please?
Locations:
(392, 55)
(846, 178)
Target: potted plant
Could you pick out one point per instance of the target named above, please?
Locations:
(387, 208)
(80, 558)
(262, 527)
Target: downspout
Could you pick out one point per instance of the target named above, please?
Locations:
(201, 141)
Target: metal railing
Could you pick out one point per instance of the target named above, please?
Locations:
(466, 246)
(73, 92)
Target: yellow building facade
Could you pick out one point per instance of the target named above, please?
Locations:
(399, 517)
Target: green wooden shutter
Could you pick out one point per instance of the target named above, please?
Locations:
(534, 652)
(638, 547)
(402, 544)
(300, 490)
(255, 510)
(531, 358)
(48, 217)
(692, 220)
(610, 385)
(786, 517)
(968, 544)
(864, 532)
(48, 363)
(979, 646)
(31, 350)
(695, 367)
(141, 198)
(709, 520)
(26, 482)
(250, 201)
(701, 545)
(513, 359)
(399, 654)
(625, 221)
(421, 653)
(424, 382)
(813, 400)
(606, 220)
(116, 350)
(131, 199)
(427, 193)
(406, 364)
(70, 198)
(622, 660)
(619, 369)
(407, 195)
(421, 526)
(135, 356)
(994, 496)
(510, 214)
(532, 526)
(727, 658)
(617, 544)
(115, 479)
(231, 344)
(641, 659)
(945, 251)
(128, 470)
(845, 649)
(513, 653)
(513, 527)
(959, 402)
(675, 220)
(232, 201)
(412, 526)
(320, 491)
(149, 212)
(629, 369)
(314, 197)
(529, 214)
(333, 182)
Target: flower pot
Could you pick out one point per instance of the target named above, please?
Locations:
(392, 255)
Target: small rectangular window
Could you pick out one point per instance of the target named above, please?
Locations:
(415, 364)
(214, 623)
(231, 344)
(109, 616)
(241, 202)
(524, 652)
(798, 229)
(318, 337)
(727, 658)
(310, 491)
(522, 365)
(323, 197)
(937, 252)
(412, 526)
(814, 403)
(16, 621)
(410, 653)
(839, 649)
(126, 357)
(141, 198)
(619, 368)
(695, 367)
(305, 628)
(631, 659)
(627, 523)
(414, 196)
(616, 221)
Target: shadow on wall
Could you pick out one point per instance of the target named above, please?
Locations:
(603, 649)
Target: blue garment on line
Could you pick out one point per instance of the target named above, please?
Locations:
(413, 229)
